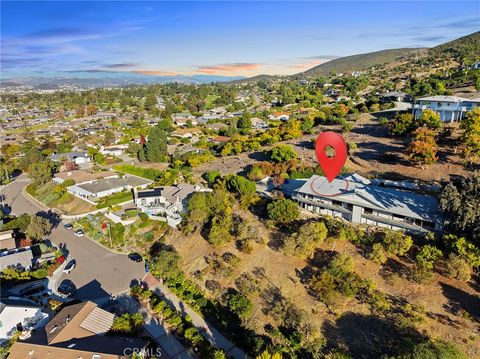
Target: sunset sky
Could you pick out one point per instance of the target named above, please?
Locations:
(227, 38)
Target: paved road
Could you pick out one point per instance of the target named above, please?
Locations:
(99, 272)
(206, 329)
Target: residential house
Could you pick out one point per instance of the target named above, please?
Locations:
(78, 157)
(20, 258)
(7, 240)
(219, 139)
(168, 202)
(259, 124)
(186, 132)
(450, 108)
(281, 116)
(82, 176)
(116, 150)
(395, 96)
(92, 191)
(182, 118)
(357, 200)
(77, 331)
(20, 315)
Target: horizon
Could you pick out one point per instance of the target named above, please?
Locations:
(71, 39)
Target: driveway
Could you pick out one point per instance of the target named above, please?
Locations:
(99, 272)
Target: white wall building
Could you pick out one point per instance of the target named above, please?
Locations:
(19, 315)
(168, 202)
(357, 200)
(450, 108)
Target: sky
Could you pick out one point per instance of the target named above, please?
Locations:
(226, 38)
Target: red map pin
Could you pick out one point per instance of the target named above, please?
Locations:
(331, 166)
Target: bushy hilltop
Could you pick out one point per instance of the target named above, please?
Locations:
(359, 62)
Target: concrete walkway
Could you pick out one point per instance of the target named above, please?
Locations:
(206, 329)
(166, 340)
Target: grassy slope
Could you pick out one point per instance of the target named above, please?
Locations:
(358, 62)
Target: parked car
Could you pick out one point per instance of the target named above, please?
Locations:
(147, 266)
(68, 226)
(33, 288)
(69, 267)
(135, 257)
(66, 288)
(79, 233)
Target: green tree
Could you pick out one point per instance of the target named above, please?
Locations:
(240, 185)
(471, 135)
(283, 153)
(429, 119)
(395, 242)
(150, 102)
(40, 172)
(427, 256)
(458, 267)
(244, 123)
(240, 305)
(127, 324)
(307, 240)
(460, 201)
(378, 254)
(39, 228)
(283, 211)
(108, 138)
(156, 149)
(434, 350)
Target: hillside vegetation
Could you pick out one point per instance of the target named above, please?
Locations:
(359, 62)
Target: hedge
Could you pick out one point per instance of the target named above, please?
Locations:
(148, 173)
(114, 199)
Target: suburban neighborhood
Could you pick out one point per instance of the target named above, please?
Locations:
(187, 214)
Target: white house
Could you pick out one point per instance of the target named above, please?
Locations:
(18, 314)
(168, 202)
(96, 189)
(259, 124)
(78, 157)
(21, 258)
(357, 200)
(181, 118)
(450, 108)
(113, 150)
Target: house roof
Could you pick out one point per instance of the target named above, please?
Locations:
(439, 98)
(170, 193)
(359, 192)
(69, 155)
(80, 176)
(107, 184)
(21, 258)
(14, 302)
(76, 332)
(394, 94)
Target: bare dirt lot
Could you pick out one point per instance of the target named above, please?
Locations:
(451, 308)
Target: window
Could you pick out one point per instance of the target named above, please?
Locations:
(368, 211)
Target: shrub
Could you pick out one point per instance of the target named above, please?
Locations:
(378, 254)
(458, 268)
(283, 211)
(240, 305)
(396, 242)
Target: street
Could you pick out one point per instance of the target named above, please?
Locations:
(99, 272)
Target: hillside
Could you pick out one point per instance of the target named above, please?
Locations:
(464, 49)
(359, 62)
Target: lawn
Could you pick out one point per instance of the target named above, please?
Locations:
(210, 101)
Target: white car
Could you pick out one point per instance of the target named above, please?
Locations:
(69, 267)
(79, 233)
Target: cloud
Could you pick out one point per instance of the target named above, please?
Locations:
(153, 73)
(233, 67)
(321, 57)
(304, 65)
(121, 66)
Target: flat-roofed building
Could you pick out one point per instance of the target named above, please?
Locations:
(357, 200)
(450, 108)
(94, 190)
